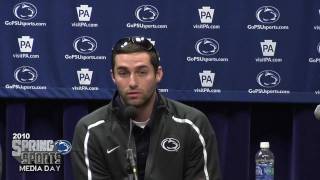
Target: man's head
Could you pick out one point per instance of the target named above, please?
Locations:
(136, 71)
(133, 44)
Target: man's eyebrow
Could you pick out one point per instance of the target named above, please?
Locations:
(138, 67)
(142, 67)
(121, 68)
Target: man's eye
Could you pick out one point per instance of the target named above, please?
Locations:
(142, 72)
(122, 73)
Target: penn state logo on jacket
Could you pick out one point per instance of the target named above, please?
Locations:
(170, 144)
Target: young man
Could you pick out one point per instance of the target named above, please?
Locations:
(170, 140)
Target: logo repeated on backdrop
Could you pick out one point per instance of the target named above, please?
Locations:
(268, 49)
(207, 47)
(316, 59)
(25, 43)
(84, 45)
(25, 47)
(268, 79)
(147, 15)
(25, 75)
(206, 14)
(267, 15)
(84, 78)
(36, 155)
(84, 13)
(24, 11)
(207, 80)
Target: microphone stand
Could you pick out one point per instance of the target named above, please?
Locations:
(130, 158)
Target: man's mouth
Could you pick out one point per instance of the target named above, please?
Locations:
(133, 94)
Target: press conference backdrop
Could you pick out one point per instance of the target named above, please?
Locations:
(238, 50)
(258, 51)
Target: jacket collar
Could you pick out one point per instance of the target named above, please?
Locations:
(117, 107)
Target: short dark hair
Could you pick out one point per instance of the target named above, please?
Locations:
(134, 44)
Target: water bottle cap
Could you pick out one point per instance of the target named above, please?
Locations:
(264, 145)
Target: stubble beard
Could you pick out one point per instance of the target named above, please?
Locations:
(144, 101)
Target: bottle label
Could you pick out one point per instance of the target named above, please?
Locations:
(264, 172)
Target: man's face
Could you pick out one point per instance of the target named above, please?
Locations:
(135, 78)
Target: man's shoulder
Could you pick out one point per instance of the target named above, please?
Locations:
(97, 115)
(185, 111)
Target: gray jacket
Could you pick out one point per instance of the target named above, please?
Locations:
(182, 144)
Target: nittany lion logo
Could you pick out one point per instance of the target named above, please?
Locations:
(85, 44)
(63, 146)
(207, 46)
(25, 74)
(267, 14)
(170, 144)
(25, 11)
(268, 78)
(146, 13)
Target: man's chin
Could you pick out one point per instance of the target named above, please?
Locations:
(135, 103)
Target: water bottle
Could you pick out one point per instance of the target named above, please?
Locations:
(264, 162)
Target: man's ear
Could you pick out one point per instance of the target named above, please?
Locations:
(112, 76)
(159, 74)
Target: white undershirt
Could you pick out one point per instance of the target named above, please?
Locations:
(141, 124)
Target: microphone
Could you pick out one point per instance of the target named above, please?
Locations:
(130, 112)
(317, 112)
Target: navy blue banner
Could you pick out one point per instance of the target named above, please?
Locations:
(210, 50)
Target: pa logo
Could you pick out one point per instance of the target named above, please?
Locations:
(84, 12)
(207, 46)
(25, 74)
(268, 78)
(267, 14)
(206, 78)
(25, 43)
(146, 13)
(84, 76)
(62, 146)
(85, 44)
(206, 14)
(268, 47)
(170, 144)
(25, 11)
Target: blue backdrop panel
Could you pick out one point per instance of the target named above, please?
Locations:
(210, 50)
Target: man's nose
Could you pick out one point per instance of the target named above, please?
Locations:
(133, 81)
